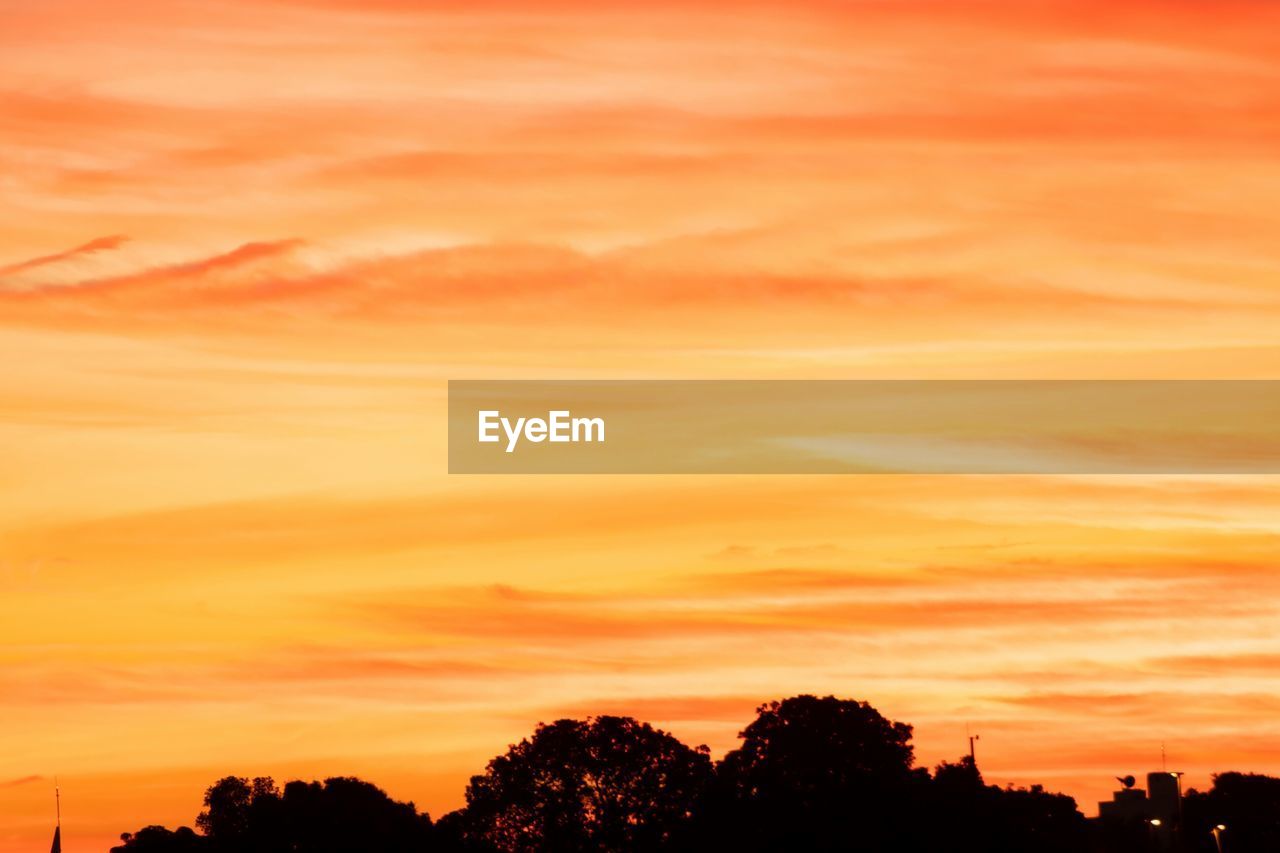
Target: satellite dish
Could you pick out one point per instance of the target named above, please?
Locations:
(1127, 781)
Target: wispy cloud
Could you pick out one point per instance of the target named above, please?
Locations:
(23, 780)
(101, 244)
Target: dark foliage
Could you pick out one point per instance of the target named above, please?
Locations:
(818, 774)
(1247, 804)
(601, 784)
(813, 774)
(339, 816)
(157, 839)
(966, 813)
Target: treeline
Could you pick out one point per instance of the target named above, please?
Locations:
(811, 774)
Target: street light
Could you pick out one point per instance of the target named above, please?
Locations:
(1153, 833)
(1216, 832)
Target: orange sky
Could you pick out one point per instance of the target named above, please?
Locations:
(244, 244)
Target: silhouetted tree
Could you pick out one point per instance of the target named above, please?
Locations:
(964, 811)
(958, 778)
(1248, 804)
(231, 805)
(819, 774)
(957, 801)
(347, 815)
(600, 784)
(1033, 819)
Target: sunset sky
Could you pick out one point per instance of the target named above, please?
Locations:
(244, 245)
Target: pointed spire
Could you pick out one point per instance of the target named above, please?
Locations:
(57, 831)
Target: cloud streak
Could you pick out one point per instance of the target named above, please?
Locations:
(100, 244)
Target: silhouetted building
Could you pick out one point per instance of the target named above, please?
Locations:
(1165, 797)
(1127, 804)
(1135, 819)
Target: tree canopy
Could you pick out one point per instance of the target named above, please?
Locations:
(600, 784)
(340, 815)
(810, 774)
